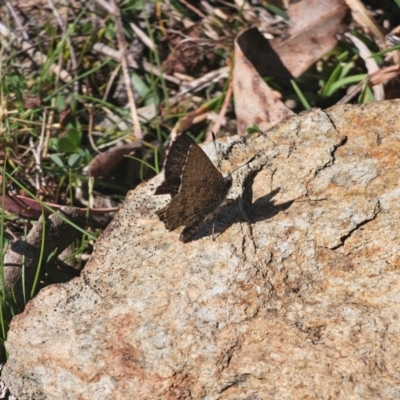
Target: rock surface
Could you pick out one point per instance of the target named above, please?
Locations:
(302, 302)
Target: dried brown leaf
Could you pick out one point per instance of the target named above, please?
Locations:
(255, 102)
(311, 34)
(25, 206)
(103, 163)
(31, 101)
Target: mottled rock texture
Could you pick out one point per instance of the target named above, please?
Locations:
(302, 300)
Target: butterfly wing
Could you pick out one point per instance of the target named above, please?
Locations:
(203, 189)
(173, 165)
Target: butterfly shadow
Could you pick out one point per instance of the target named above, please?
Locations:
(264, 207)
(238, 211)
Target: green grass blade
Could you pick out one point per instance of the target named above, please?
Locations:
(300, 95)
(343, 82)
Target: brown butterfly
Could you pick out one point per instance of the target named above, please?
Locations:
(196, 186)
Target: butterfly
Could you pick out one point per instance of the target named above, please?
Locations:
(196, 186)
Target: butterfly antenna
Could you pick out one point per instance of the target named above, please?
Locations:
(243, 165)
(216, 151)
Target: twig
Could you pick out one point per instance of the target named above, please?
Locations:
(361, 16)
(17, 20)
(194, 117)
(351, 93)
(110, 8)
(62, 26)
(90, 129)
(376, 78)
(217, 124)
(384, 74)
(193, 8)
(111, 81)
(37, 154)
(205, 80)
(124, 63)
(146, 66)
(142, 36)
(57, 80)
(68, 40)
(113, 9)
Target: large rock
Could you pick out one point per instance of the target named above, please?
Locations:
(299, 301)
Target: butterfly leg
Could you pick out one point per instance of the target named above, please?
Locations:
(213, 226)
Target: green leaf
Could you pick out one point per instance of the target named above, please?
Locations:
(52, 255)
(253, 129)
(366, 95)
(74, 135)
(73, 160)
(60, 102)
(343, 56)
(333, 78)
(57, 160)
(139, 84)
(65, 145)
(87, 28)
(150, 96)
(346, 68)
